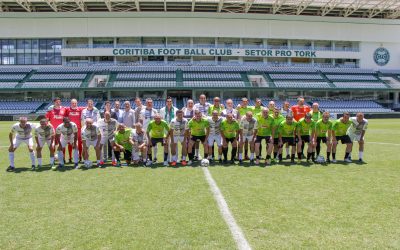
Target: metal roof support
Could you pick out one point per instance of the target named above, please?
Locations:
(220, 5)
(302, 6)
(25, 4)
(277, 5)
(329, 6)
(380, 7)
(52, 4)
(354, 6)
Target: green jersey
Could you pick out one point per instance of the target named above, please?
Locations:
(198, 128)
(271, 112)
(157, 130)
(256, 110)
(305, 128)
(243, 110)
(264, 125)
(229, 129)
(122, 138)
(340, 128)
(316, 116)
(213, 107)
(287, 130)
(322, 128)
(278, 120)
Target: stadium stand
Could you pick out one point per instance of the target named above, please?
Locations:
(18, 107)
(352, 106)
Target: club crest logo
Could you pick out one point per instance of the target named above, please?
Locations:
(381, 56)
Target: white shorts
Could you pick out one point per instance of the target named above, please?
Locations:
(216, 138)
(104, 139)
(248, 138)
(90, 143)
(43, 141)
(65, 141)
(17, 142)
(135, 155)
(354, 137)
(178, 138)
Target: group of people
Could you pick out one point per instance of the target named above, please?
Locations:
(136, 133)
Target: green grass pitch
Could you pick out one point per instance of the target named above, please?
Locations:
(286, 207)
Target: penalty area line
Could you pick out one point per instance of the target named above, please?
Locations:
(236, 231)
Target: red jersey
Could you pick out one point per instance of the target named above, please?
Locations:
(56, 116)
(298, 112)
(75, 115)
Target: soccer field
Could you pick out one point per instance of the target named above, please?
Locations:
(352, 206)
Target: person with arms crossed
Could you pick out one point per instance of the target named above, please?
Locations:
(91, 136)
(23, 134)
(44, 134)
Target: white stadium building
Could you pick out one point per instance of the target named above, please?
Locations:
(344, 53)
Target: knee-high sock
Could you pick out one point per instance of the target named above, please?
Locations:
(61, 157)
(11, 158)
(155, 151)
(70, 151)
(117, 155)
(39, 160)
(225, 153)
(318, 148)
(76, 156)
(32, 156)
(234, 150)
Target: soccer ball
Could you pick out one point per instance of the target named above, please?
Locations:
(320, 159)
(205, 163)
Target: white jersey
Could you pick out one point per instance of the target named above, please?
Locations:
(166, 115)
(357, 127)
(215, 126)
(247, 127)
(286, 112)
(23, 133)
(188, 113)
(203, 108)
(94, 114)
(128, 118)
(44, 133)
(139, 138)
(90, 134)
(67, 133)
(234, 112)
(147, 116)
(108, 128)
(178, 127)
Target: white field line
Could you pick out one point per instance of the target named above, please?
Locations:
(383, 143)
(236, 231)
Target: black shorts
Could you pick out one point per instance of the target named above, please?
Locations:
(230, 140)
(154, 141)
(127, 155)
(345, 139)
(200, 138)
(260, 138)
(304, 138)
(276, 141)
(289, 140)
(323, 139)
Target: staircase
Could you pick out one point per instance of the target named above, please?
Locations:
(326, 79)
(20, 83)
(179, 78)
(85, 82)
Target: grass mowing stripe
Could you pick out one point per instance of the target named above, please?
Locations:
(384, 143)
(236, 231)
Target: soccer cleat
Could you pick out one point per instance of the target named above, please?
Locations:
(183, 162)
(101, 163)
(10, 169)
(240, 162)
(114, 163)
(189, 163)
(232, 161)
(225, 161)
(292, 161)
(155, 159)
(148, 163)
(287, 157)
(251, 161)
(173, 163)
(334, 160)
(220, 161)
(360, 160)
(267, 162)
(33, 167)
(70, 161)
(246, 158)
(38, 167)
(328, 160)
(348, 160)
(166, 164)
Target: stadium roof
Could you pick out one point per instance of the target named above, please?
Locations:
(387, 9)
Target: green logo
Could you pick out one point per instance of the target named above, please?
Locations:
(381, 56)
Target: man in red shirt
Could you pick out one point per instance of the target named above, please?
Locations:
(56, 115)
(74, 113)
(300, 110)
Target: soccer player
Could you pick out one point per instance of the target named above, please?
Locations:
(339, 131)
(214, 134)
(117, 111)
(316, 115)
(300, 110)
(169, 111)
(230, 134)
(264, 130)
(123, 143)
(56, 115)
(188, 111)
(108, 127)
(202, 105)
(243, 107)
(178, 134)
(23, 130)
(74, 113)
(247, 124)
(197, 127)
(271, 107)
(67, 133)
(44, 134)
(287, 134)
(218, 106)
(138, 108)
(147, 114)
(323, 132)
(90, 112)
(91, 136)
(285, 110)
(306, 134)
(229, 109)
(139, 146)
(356, 132)
(128, 115)
(257, 109)
(278, 118)
(157, 132)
